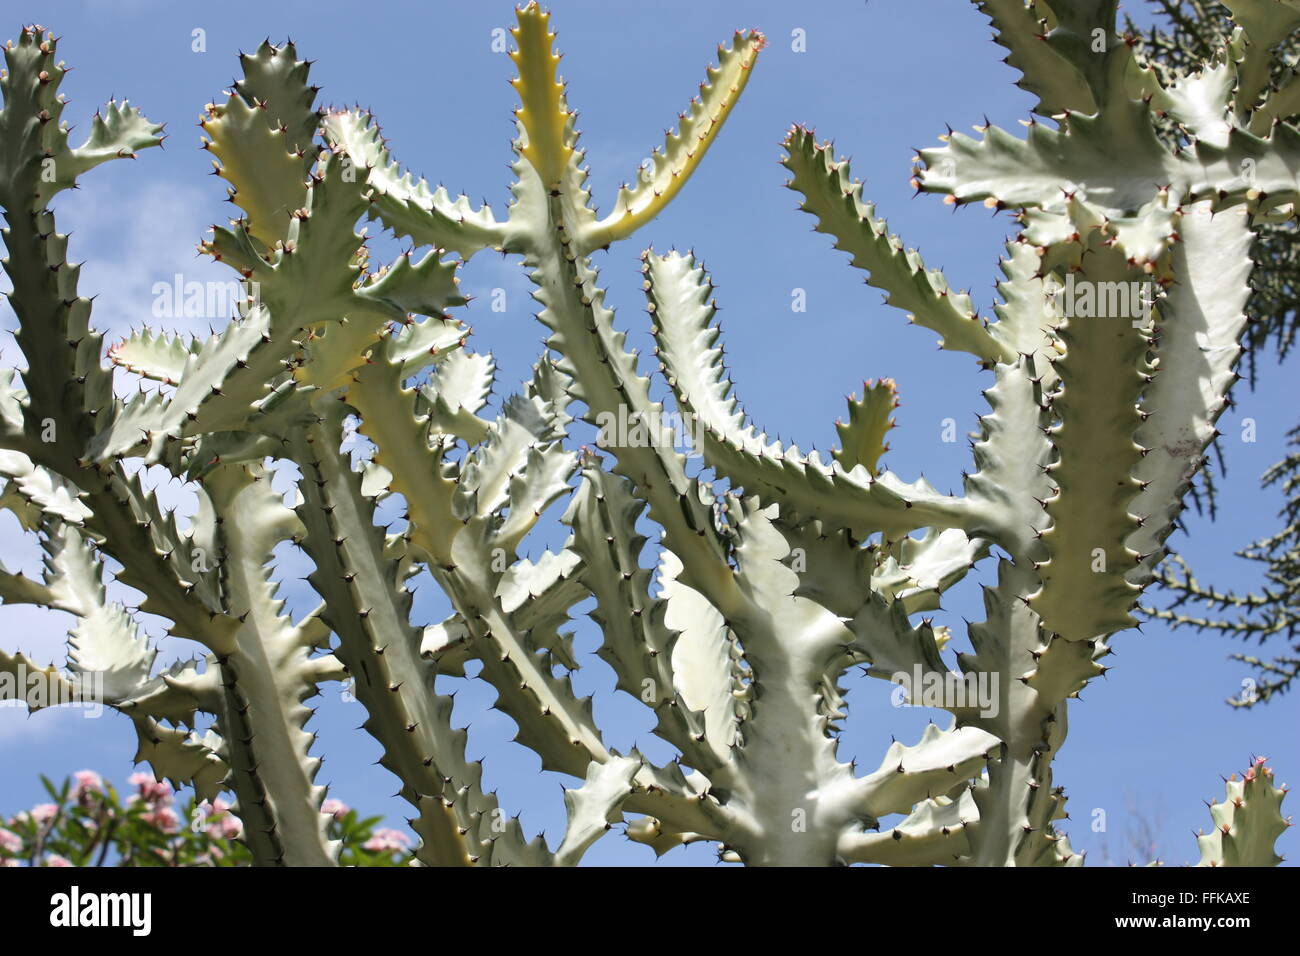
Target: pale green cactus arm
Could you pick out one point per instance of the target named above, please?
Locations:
(934, 834)
(543, 590)
(105, 645)
(392, 417)
(862, 437)
(469, 549)
(594, 807)
(679, 292)
(311, 283)
(174, 753)
(265, 151)
(793, 653)
(1175, 429)
(1026, 319)
(410, 208)
(32, 491)
(116, 132)
(1022, 27)
(708, 670)
(683, 148)
(553, 721)
(1032, 411)
(607, 382)
(419, 743)
(34, 126)
(367, 607)
(1265, 24)
(1102, 373)
(549, 146)
(1282, 104)
(547, 224)
(834, 573)
(637, 641)
(1248, 822)
(924, 569)
(259, 156)
(835, 198)
(1226, 164)
(1037, 674)
(1195, 359)
(160, 357)
(538, 595)
(907, 776)
(20, 589)
(264, 680)
(459, 389)
(521, 467)
(426, 288)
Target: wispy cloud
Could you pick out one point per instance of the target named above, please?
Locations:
(129, 241)
(133, 241)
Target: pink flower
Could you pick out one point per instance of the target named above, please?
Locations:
(151, 789)
(386, 841)
(8, 863)
(10, 841)
(164, 818)
(87, 782)
(335, 808)
(227, 826)
(218, 821)
(55, 860)
(43, 813)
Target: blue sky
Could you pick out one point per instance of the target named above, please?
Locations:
(1147, 745)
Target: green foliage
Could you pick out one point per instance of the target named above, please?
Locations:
(89, 823)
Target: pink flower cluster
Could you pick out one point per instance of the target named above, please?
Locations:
(335, 808)
(91, 802)
(387, 841)
(219, 822)
(87, 783)
(157, 796)
(10, 841)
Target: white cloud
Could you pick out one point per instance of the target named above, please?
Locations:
(127, 242)
(132, 241)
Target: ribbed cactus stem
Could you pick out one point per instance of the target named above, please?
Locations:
(776, 572)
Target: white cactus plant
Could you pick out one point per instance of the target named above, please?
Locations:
(1098, 418)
